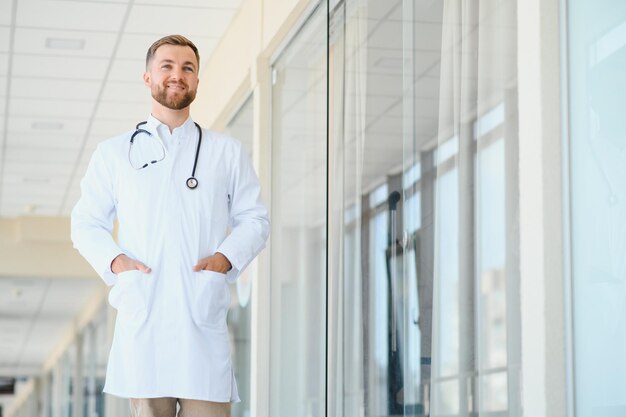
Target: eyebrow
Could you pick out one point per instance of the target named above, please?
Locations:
(170, 61)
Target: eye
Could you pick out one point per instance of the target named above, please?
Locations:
(189, 69)
(166, 66)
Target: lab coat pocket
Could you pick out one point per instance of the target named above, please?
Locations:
(212, 299)
(129, 297)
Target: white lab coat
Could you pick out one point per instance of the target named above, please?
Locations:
(171, 338)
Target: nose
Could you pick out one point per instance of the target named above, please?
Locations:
(176, 74)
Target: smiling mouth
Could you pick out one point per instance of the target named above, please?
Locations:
(176, 87)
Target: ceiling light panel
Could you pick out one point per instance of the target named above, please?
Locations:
(22, 180)
(37, 167)
(65, 43)
(37, 108)
(76, 15)
(54, 67)
(19, 154)
(59, 90)
(47, 126)
(31, 124)
(49, 140)
(189, 22)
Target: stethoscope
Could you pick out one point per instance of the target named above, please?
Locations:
(191, 182)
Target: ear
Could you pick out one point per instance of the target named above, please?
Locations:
(146, 78)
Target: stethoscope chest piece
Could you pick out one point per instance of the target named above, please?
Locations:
(192, 183)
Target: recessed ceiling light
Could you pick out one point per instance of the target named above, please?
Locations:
(36, 180)
(47, 125)
(61, 43)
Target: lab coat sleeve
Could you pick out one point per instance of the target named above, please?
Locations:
(249, 220)
(92, 218)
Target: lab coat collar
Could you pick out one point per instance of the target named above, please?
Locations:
(155, 126)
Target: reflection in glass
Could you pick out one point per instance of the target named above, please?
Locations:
(423, 204)
(597, 97)
(241, 128)
(298, 265)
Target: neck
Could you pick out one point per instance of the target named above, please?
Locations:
(171, 118)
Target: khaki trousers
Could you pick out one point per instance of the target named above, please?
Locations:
(166, 407)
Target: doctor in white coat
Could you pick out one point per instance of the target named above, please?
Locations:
(175, 191)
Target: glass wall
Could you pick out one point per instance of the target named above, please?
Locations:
(423, 209)
(597, 97)
(241, 128)
(95, 351)
(298, 256)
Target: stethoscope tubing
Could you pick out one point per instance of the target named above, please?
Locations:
(192, 182)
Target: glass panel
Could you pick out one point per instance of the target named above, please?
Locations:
(89, 370)
(423, 208)
(298, 266)
(597, 97)
(95, 351)
(66, 367)
(241, 128)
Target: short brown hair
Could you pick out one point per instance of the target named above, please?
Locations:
(178, 40)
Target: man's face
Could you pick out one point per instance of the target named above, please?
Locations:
(173, 76)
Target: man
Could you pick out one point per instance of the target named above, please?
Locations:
(175, 189)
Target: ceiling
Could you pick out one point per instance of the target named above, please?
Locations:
(70, 76)
(34, 314)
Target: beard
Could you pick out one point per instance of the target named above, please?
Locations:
(176, 101)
